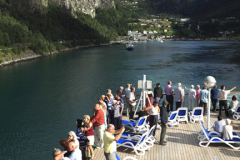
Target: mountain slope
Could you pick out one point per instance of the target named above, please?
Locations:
(213, 9)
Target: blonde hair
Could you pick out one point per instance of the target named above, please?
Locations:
(109, 91)
(87, 117)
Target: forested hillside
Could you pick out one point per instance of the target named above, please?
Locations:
(43, 31)
(200, 9)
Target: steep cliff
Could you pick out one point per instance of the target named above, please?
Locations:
(85, 6)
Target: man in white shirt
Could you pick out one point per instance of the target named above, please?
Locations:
(179, 95)
(218, 125)
(127, 95)
(222, 95)
(76, 152)
(132, 102)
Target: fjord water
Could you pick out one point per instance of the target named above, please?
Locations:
(41, 99)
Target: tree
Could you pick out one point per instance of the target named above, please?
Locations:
(6, 39)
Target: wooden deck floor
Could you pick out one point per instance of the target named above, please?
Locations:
(183, 145)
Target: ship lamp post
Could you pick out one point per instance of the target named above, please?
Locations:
(209, 81)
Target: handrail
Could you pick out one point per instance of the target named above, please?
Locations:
(235, 92)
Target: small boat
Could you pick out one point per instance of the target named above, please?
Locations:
(129, 46)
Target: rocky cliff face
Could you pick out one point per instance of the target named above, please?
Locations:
(85, 6)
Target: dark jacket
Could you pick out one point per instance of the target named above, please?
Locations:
(158, 92)
(164, 115)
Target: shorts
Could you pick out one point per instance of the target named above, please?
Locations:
(91, 140)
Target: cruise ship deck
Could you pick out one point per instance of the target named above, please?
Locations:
(183, 145)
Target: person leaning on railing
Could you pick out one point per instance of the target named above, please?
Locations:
(214, 98)
(222, 95)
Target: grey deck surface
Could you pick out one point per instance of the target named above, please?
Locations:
(183, 145)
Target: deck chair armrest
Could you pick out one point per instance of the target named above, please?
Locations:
(129, 157)
(214, 132)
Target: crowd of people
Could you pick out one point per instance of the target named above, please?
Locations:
(104, 127)
(199, 98)
(107, 116)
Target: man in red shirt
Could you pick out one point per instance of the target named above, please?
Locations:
(98, 122)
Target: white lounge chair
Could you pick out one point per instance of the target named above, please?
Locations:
(236, 114)
(182, 114)
(128, 157)
(138, 126)
(172, 120)
(139, 147)
(207, 140)
(211, 133)
(196, 114)
(150, 140)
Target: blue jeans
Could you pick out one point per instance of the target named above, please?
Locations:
(116, 123)
(214, 102)
(157, 99)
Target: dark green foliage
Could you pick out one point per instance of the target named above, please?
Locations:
(116, 19)
(15, 50)
(200, 9)
(4, 51)
(51, 47)
(44, 31)
(19, 49)
(6, 39)
(23, 48)
(59, 46)
(39, 44)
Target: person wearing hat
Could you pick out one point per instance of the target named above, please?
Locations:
(116, 107)
(81, 137)
(158, 93)
(164, 121)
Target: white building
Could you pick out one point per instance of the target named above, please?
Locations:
(184, 19)
(142, 38)
(150, 32)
